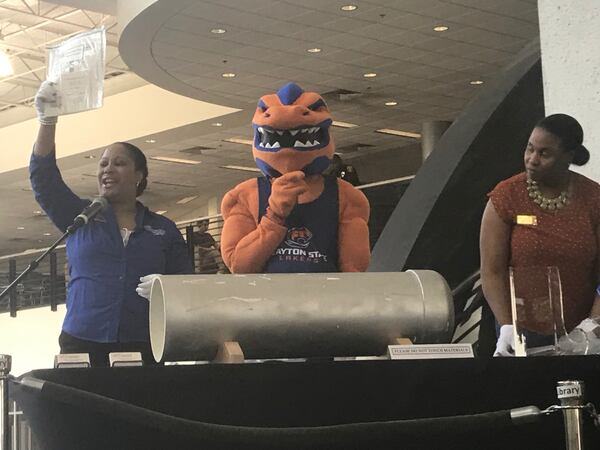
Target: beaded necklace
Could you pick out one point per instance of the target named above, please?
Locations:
(544, 202)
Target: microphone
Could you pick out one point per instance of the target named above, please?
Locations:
(88, 213)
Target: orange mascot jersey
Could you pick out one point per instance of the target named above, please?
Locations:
(294, 219)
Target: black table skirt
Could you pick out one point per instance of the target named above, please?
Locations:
(354, 404)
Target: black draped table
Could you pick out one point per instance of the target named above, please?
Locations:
(317, 404)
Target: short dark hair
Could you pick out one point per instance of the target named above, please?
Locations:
(570, 133)
(140, 162)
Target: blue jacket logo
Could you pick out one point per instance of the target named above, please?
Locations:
(155, 231)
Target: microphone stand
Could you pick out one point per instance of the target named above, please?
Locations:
(35, 263)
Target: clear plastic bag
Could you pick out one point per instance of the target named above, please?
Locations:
(77, 66)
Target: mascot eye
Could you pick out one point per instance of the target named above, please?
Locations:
(319, 105)
(262, 106)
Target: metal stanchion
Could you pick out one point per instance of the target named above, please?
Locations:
(571, 396)
(16, 435)
(5, 362)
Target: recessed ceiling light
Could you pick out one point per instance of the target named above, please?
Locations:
(174, 160)
(440, 28)
(228, 75)
(47, 234)
(20, 228)
(349, 7)
(185, 200)
(476, 82)
(314, 50)
(370, 75)
(244, 168)
(37, 212)
(392, 103)
(337, 123)
(89, 157)
(218, 31)
(399, 133)
(150, 141)
(240, 141)
(161, 212)
(217, 124)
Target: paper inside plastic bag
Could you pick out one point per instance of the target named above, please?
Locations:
(77, 67)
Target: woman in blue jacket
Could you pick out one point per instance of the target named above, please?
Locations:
(108, 256)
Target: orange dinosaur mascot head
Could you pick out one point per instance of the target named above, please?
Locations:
(291, 132)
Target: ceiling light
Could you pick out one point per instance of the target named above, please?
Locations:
(399, 133)
(392, 103)
(217, 124)
(185, 200)
(228, 75)
(240, 141)
(150, 141)
(37, 212)
(89, 157)
(370, 75)
(161, 212)
(6, 67)
(349, 8)
(218, 31)
(244, 168)
(314, 50)
(20, 228)
(174, 160)
(47, 234)
(440, 28)
(476, 82)
(337, 123)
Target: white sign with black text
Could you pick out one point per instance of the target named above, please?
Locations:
(430, 351)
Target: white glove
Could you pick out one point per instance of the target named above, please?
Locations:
(590, 327)
(582, 340)
(143, 289)
(505, 343)
(46, 103)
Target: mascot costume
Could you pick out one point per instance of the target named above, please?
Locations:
(294, 219)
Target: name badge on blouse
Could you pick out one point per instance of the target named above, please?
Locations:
(523, 219)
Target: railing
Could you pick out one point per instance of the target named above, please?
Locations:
(47, 284)
(44, 286)
(203, 236)
(474, 321)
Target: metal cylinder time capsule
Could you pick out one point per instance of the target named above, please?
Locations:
(297, 315)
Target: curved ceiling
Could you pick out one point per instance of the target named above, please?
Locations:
(265, 43)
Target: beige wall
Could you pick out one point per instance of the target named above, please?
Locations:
(31, 338)
(570, 41)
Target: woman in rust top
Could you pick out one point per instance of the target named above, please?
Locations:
(545, 216)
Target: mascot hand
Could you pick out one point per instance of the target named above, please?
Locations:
(285, 191)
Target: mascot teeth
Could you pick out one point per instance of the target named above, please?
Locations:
(305, 138)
